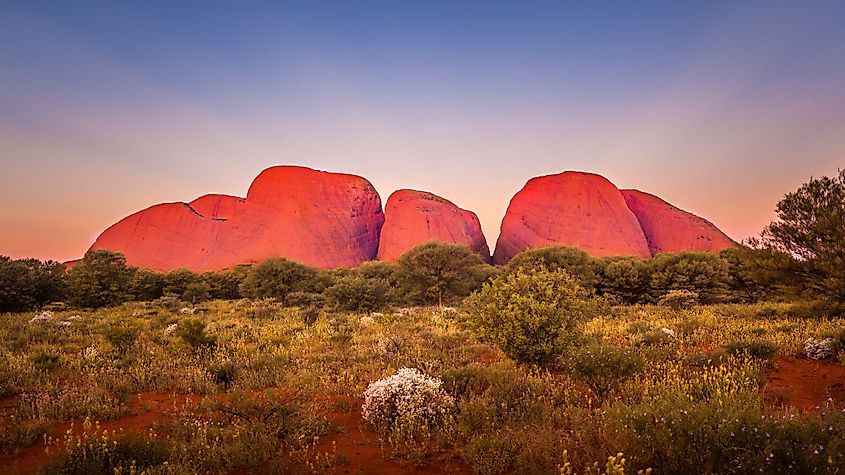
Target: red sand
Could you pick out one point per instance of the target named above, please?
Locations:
(805, 384)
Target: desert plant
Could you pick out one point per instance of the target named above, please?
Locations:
(703, 273)
(434, 273)
(679, 299)
(277, 277)
(100, 279)
(533, 315)
(122, 336)
(408, 397)
(604, 368)
(574, 261)
(192, 332)
(754, 349)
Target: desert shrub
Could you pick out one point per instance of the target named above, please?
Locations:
(277, 277)
(146, 285)
(679, 299)
(604, 368)
(27, 284)
(533, 316)
(638, 327)
(574, 261)
(818, 348)
(355, 293)
(99, 279)
(657, 337)
(434, 273)
(407, 398)
(838, 337)
(701, 272)
(748, 278)
(224, 374)
(491, 453)
(810, 231)
(176, 282)
(197, 291)
(726, 435)
(225, 285)
(304, 300)
(192, 331)
(755, 349)
(473, 379)
(44, 360)
(122, 336)
(626, 278)
(96, 452)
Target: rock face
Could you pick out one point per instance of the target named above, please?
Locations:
(574, 209)
(318, 218)
(669, 229)
(415, 217)
(587, 211)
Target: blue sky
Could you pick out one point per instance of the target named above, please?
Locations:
(109, 107)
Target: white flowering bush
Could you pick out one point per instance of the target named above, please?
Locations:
(818, 348)
(409, 397)
(45, 316)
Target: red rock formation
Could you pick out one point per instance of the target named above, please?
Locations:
(318, 218)
(575, 209)
(415, 217)
(669, 229)
(218, 206)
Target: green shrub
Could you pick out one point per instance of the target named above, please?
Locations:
(434, 273)
(626, 278)
(44, 360)
(574, 261)
(657, 337)
(122, 336)
(277, 277)
(192, 332)
(100, 279)
(225, 374)
(491, 453)
(679, 299)
(197, 291)
(533, 316)
(356, 293)
(604, 368)
(26, 284)
(146, 285)
(701, 272)
(754, 349)
(97, 453)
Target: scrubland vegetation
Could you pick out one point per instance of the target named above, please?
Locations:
(556, 363)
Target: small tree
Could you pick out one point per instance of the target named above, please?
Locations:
(192, 332)
(29, 283)
(355, 293)
(146, 285)
(810, 226)
(576, 262)
(701, 272)
(100, 279)
(604, 368)
(436, 272)
(277, 277)
(532, 315)
(626, 278)
(225, 285)
(122, 336)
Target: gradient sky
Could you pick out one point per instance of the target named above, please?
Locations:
(109, 107)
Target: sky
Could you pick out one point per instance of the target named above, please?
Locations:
(719, 107)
